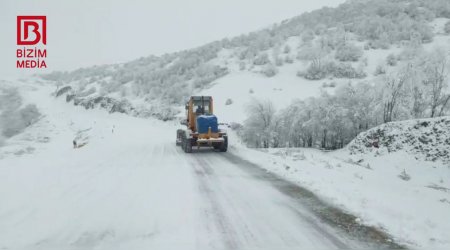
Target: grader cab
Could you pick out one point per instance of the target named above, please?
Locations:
(202, 126)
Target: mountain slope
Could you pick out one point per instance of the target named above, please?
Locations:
(352, 40)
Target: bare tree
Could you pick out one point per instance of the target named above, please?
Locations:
(394, 86)
(435, 79)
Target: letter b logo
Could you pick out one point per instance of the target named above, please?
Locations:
(31, 30)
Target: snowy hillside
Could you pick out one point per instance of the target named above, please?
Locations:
(297, 58)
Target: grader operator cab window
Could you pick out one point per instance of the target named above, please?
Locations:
(201, 107)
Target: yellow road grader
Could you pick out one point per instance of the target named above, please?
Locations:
(202, 126)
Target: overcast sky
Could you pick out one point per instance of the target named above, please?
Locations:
(88, 32)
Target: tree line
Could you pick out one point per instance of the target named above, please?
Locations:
(416, 89)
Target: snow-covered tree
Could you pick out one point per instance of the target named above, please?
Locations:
(257, 127)
(348, 52)
(270, 70)
(261, 59)
(307, 36)
(435, 69)
(380, 70)
(393, 91)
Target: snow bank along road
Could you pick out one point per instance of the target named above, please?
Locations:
(130, 187)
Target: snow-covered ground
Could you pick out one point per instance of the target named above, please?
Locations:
(407, 197)
(129, 187)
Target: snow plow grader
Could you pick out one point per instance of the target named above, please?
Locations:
(202, 127)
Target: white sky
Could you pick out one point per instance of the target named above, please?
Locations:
(88, 32)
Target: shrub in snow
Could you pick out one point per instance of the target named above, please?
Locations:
(345, 70)
(315, 71)
(249, 53)
(307, 36)
(358, 176)
(378, 44)
(110, 87)
(313, 52)
(288, 59)
(348, 52)
(391, 60)
(205, 75)
(278, 61)
(380, 70)
(329, 85)
(365, 61)
(318, 71)
(261, 59)
(241, 65)
(270, 70)
(404, 176)
(447, 27)
(228, 101)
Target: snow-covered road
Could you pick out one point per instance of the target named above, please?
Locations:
(130, 187)
(243, 211)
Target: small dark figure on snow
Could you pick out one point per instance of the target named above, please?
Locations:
(74, 144)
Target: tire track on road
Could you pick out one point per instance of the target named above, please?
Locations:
(215, 213)
(342, 222)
